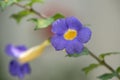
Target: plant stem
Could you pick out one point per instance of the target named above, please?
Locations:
(30, 9)
(104, 63)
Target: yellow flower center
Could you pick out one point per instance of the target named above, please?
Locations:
(70, 34)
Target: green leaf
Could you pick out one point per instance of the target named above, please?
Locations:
(84, 52)
(42, 23)
(118, 70)
(20, 15)
(6, 3)
(58, 16)
(107, 76)
(34, 1)
(103, 55)
(90, 68)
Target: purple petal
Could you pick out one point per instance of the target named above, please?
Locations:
(25, 68)
(20, 74)
(58, 42)
(13, 67)
(19, 70)
(59, 26)
(14, 51)
(8, 50)
(84, 35)
(74, 46)
(21, 48)
(73, 23)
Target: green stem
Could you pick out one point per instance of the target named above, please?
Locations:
(104, 63)
(30, 9)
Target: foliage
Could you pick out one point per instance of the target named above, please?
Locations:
(57, 16)
(107, 76)
(31, 2)
(103, 55)
(44, 23)
(41, 23)
(90, 68)
(20, 15)
(6, 3)
(118, 70)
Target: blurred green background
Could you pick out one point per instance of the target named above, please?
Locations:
(104, 17)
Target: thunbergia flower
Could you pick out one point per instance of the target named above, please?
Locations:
(69, 34)
(16, 68)
(23, 55)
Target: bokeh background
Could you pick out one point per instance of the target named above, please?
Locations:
(104, 19)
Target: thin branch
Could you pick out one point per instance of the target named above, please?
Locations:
(30, 9)
(104, 63)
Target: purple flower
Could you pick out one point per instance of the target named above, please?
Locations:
(19, 70)
(69, 34)
(16, 68)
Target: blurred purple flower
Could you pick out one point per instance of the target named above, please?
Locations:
(16, 68)
(19, 70)
(70, 35)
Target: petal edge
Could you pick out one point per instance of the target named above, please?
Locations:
(84, 35)
(58, 42)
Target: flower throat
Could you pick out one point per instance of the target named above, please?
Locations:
(70, 34)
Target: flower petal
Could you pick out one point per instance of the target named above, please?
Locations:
(13, 67)
(21, 48)
(25, 68)
(20, 74)
(8, 50)
(58, 42)
(14, 51)
(19, 70)
(59, 26)
(84, 35)
(74, 46)
(73, 23)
